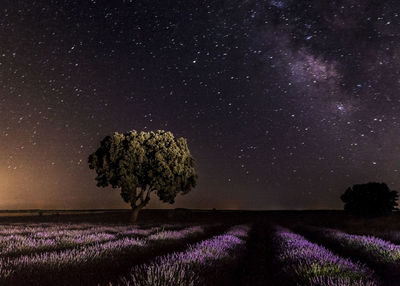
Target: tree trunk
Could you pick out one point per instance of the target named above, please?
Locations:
(134, 214)
(143, 202)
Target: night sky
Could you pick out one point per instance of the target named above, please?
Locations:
(284, 103)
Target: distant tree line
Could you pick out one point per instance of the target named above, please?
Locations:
(371, 199)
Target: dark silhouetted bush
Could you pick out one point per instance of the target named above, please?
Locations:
(371, 199)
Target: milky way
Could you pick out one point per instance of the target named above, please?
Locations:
(284, 103)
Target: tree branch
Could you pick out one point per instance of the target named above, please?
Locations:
(144, 200)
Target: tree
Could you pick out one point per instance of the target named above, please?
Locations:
(140, 163)
(370, 199)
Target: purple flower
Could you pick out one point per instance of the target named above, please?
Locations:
(189, 267)
(86, 248)
(315, 265)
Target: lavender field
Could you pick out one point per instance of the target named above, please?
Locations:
(224, 250)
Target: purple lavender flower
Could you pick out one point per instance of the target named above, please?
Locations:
(82, 254)
(189, 267)
(175, 234)
(315, 265)
(57, 238)
(372, 248)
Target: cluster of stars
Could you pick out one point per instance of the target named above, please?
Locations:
(273, 96)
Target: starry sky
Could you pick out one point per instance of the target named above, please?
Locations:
(284, 103)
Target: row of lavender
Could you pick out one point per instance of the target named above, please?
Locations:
(199, 264)
(306, 263)
(90, 252)
(36, 239)
(383, 255)
(43, 231)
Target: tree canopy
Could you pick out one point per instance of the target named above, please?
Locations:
(139, 163)
(370, 199)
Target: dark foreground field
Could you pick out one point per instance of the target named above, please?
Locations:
(182, 247)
